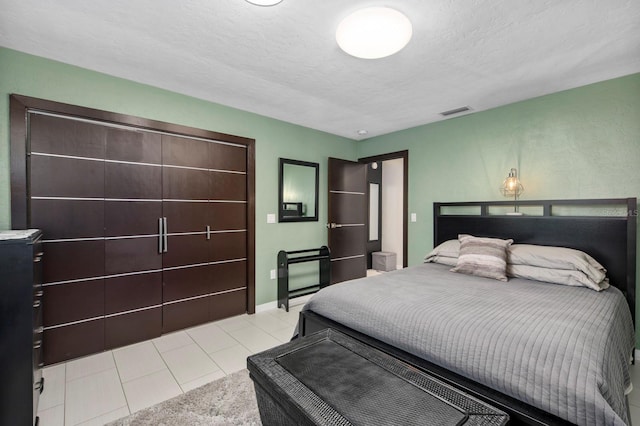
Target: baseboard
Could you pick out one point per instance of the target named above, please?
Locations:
(266, 306)
(274, 305)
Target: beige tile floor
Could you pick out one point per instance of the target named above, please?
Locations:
(100, 388)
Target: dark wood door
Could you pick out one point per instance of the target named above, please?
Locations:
(66, 179)
(185, 259)
(227, 221)
(132, 207)
(205, 206)
(96, 194)
(347, 219)
(102, 186)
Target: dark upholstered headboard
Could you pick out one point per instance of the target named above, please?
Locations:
(603, 228)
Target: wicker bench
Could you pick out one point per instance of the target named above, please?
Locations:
(329, 378)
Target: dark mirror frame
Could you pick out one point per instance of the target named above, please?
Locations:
(282, 215)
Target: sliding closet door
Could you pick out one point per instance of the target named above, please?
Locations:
(148, 226)
(133, 263)
(204, 203)
(227, 222)
(67, 203)
(187, 274)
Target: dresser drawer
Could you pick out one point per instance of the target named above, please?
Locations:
(21, 330)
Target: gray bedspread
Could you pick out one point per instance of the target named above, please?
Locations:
(562, 349)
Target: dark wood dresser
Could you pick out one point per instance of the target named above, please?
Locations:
(20, 326)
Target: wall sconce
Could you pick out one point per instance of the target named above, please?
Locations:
(511, 187)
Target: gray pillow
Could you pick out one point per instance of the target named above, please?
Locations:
(483, 257)
(557, 258)
(443, 260)
(445, 253)
(556, 276)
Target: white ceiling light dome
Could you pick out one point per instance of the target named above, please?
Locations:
(264, 2)
(374, 32)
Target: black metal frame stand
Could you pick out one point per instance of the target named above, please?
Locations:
(284, 260)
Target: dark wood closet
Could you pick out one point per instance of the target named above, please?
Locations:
(148, 226)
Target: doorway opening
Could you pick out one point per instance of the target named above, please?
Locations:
(387, 195)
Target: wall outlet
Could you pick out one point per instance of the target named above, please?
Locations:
(414, 217)
(271, 218)
(273, 274)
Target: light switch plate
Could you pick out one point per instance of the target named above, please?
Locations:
(273, 274)
(414, 217)
(271, 218)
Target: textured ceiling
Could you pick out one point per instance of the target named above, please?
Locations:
(283, 61)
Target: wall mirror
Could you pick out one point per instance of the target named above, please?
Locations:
(298, 191)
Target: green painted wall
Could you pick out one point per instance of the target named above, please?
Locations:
(38, 77)
(580, 143)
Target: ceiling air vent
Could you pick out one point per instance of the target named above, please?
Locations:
(455, 111)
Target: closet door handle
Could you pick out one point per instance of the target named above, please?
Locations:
(165, 238)
(208, 232)
(160, 235)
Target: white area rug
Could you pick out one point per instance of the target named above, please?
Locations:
(227, 401)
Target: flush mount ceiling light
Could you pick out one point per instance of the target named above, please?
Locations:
(264, 2)
(374, 32)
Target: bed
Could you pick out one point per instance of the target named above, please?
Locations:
(545, 353)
